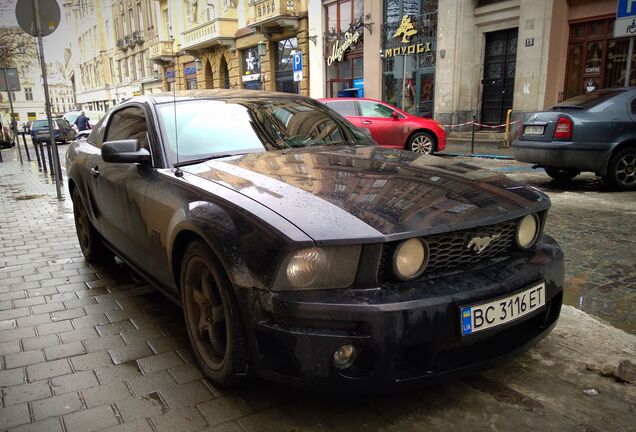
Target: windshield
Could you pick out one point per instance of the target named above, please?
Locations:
(207, 128)
(588, 100)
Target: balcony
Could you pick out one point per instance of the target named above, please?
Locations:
(138, 37)
(121, 44)
(268, 15)
(162, 51)
(220, 31)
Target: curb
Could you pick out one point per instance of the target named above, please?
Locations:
(477, 155)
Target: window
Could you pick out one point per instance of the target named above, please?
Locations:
(344, 108)
(373, 109)
(28, 93)
(284, 73)
(131, 124)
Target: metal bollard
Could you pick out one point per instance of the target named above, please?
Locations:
(1, 156)
(472, 137)
(48, 152)
(42, 156)
(37, 153)
(26, 148)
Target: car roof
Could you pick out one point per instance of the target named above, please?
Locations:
(352, 99)
(220, 94)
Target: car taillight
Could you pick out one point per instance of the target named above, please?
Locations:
(564, 129)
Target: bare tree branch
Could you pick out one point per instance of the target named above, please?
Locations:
(15, 45)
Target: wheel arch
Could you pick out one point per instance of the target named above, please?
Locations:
(617, 148)
(428, 131)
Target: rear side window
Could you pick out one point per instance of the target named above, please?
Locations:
(589, 100)
(344, 108)
(374, 109)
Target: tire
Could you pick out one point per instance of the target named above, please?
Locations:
(621, 172)
(89, 239)
(212, 317)
(561, 174)
(421, 142)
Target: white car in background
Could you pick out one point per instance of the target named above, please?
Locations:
(93, 117)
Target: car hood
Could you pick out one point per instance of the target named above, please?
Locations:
(372, 194)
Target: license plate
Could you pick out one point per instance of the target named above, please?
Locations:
(484, 316)
(533, 130)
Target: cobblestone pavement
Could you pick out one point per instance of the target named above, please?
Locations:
(86, 348)
(595, 227)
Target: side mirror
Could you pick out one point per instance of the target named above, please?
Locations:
(395, 115)
(125, 151)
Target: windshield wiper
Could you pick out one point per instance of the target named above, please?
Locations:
(204, 159)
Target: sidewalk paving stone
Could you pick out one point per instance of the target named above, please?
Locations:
(48, 425)
(182, 420)
(23, 358)
(90, 420)
(56, 406)
(48, 369)
(106, 394)
(14, 415)
(26, 393)
(74, 382)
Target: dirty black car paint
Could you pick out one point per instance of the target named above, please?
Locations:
(252, 209)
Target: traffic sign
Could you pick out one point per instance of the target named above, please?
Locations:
(48, 16)
(297, 65)
(625, 25)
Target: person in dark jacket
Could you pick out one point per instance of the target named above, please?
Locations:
(82, 122)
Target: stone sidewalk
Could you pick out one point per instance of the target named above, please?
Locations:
(86, 348)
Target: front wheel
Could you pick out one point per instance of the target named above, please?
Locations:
(212, 317)
(89, 239)
(421, 142)
(561, 173)
(621, 172)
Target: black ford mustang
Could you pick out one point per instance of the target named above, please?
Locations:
(303, 252)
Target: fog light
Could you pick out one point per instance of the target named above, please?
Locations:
(344, 357)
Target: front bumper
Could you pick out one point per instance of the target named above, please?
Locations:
(408, 334)
(583, 157)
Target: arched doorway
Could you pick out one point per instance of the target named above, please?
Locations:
(224, 74)
(209, 82)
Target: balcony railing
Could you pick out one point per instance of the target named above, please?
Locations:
(121, 44)
(138, 37)
(162, 50)
(210, 33)
(265, 12)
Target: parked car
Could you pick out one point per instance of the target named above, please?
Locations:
(303, 253)
(62, 130)
(390, 126)
(593, 132)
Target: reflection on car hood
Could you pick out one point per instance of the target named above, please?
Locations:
(371, 193)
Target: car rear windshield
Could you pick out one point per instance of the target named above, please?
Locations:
(208, 127)
(589, 100)
(40, 123)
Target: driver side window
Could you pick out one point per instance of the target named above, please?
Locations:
(128, 123)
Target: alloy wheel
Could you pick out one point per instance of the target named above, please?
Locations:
(205, 308)
(422, 144)
(626, 170)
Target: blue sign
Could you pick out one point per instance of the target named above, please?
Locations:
(359, 84)
(626, 9)
(298, 61)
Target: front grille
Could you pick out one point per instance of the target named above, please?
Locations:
(451, 249)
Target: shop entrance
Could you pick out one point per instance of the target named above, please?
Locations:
(499, 75)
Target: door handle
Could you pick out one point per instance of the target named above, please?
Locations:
(95, 171)
(365, 122)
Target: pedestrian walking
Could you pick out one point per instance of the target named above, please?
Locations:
(82, 122)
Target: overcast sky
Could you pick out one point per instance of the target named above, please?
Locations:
(54, 44)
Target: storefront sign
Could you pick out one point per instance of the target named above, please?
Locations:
(190, 70)
(338, 50)
(410, 49)
(252, 68)
(405, 32)
(169, 74)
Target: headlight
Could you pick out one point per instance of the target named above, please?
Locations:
(410, 259)
(527, 231)
(318, 268)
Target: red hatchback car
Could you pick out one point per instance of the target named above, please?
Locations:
(389, 126)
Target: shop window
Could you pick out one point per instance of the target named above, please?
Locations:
(284, 73)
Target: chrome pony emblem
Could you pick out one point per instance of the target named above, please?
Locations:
(479, 244)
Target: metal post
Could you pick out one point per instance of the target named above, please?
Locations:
(42, 156)
(472, 139)
(37, 152)
(25, 145)
(13, 130)
(51, 161)
(630, 51)
(56, 163)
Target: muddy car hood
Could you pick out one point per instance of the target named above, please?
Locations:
(372, 194)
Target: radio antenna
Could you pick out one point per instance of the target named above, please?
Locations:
(177, 171)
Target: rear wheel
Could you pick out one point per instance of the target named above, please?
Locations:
(561, 173)
(421, 142)
(212, 317)
(89, 239)
(621, 172)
